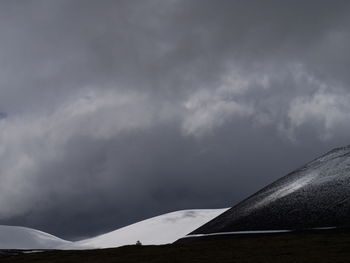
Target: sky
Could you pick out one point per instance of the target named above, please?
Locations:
(114, 111)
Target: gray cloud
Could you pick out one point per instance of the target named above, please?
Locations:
(114, 111)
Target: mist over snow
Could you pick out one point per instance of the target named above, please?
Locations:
(116, 111)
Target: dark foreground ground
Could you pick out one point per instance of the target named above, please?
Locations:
(284, 247)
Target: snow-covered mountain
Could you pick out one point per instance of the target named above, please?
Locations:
(314, 196)
(15, 237)
(158, 230)
(162, 229)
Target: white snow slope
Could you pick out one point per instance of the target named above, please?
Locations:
(158, 230)
(15, 237)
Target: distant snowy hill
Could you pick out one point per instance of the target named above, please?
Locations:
(162, 229)
(158, 230)
(15, 237)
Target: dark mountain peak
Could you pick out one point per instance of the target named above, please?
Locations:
(332, 154)
(316, 195)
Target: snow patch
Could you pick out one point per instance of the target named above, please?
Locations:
(158, 230)
(286, 190)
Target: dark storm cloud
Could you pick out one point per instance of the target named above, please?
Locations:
(121, 110)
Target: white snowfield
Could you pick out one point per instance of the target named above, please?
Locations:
(16, 237)
(158, 230)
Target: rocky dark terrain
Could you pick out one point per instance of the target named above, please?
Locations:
(314, 196)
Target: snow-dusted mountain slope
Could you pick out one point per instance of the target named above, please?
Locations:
(162, 229)
(158, 230)
(316, 195)
(15, 237)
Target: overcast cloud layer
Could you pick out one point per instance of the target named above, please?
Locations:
(115, 111)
